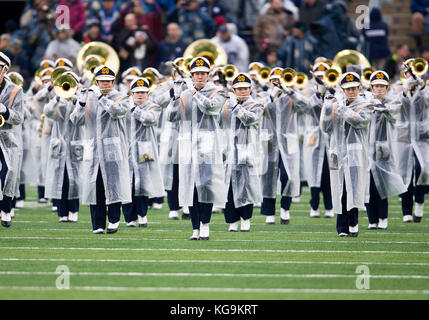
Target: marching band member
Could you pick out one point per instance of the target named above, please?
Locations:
(346, 122)
(11, 104)
(413, 144)
(240, 119)
(105, 170)
(384, 180)
(201, 172)
(270, 152)
(127, 77)
(168, 146)
(62, 176)
(146, 171)
(40, 98)
(288, 102)
(315, 148)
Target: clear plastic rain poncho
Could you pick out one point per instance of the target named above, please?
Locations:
(200, 145)
(144, 150)
(269, 147)
(65, 149)
(240, 124)
(315, 141)
(104, 146)
(412, 128)
(287, 107)
(11, 97)
(168, 143)
(347, 127)
(382, 149)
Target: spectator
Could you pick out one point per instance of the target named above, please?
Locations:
(376, 45)
(298, 50)
(173, 14)
(4, 42)
(194, 23)
(272, 59)
(235, 47)
(311, 11)
(107, 15)
(345, 25)
(149, 18)
(419, 11)
(166, 5)
(232, 10)
(37, 34)
(64, 46)
(272, 27)
(173, 46)
(248, 11)
(136, 47)
(93, 32)
(212, 8)
(77, 17)
(393, 65)
(19, 62)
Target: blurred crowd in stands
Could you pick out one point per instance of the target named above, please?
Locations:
(149, 32)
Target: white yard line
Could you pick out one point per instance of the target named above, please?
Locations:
(210, 275)
(234, 290)
(217, 261)
(216, 240)
(217, 250)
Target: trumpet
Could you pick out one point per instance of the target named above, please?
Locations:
(65, 86)
(152, 80)
(288, 77)
(419, 67)
(263, 75)
(366, 74)
(301, 80)
(278, 85)
(331, 77)
(230, 71)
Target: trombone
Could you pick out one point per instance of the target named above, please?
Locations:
(419, 67)
(230, 71)
(366, 74)
(301, 80)
(331, 78)
(153, 83)
(65, 86)
(263, 75)
(288, 77)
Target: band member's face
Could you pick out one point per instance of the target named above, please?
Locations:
(105, 86)
(407, 75)
(272, 82)
(379, 90)
(242, 93)
(351, 93)
(128, 83)
(200, 79)
(140, 97)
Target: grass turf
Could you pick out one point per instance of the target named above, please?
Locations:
(302, 260)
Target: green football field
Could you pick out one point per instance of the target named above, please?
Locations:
(302, 260)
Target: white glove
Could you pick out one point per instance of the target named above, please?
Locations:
(341, 110)
(232, 101)
(2, 108)
(82, 97)
(411, 82)
(178, 88)
(189, 84)
(276, 92)
(321, 89)
(96, 90)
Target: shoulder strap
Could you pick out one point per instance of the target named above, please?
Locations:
(12, 95)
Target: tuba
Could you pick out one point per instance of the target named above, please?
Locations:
(348, 57)
(106, 53)
(65, 86)
(206, 48)
(263, 75)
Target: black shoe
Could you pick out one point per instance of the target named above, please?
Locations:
(142, 225)
(417, 219)
(6, 224)
(173, 218)
(186, 216)
(232, 230)
(111, 230)
(353, 234)
(204, 238)
(284, 221)
(193, 238)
